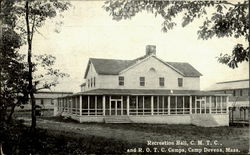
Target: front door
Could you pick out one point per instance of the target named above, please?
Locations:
(115, 107)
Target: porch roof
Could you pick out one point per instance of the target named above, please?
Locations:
(147, 92)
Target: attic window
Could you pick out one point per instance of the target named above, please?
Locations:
(152, 69)
(161, 81)
(142, 81)
(180, 82)
(121, 80)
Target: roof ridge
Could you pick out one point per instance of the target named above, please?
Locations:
(176, 62)
(111, 59)
(232, 81)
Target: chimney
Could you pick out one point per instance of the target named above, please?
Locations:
(150, 50)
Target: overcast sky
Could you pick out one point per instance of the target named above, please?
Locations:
(89, 31)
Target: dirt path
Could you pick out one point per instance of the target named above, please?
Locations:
(131, 136)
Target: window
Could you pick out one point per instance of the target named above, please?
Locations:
(121, 80)
(180, 82)
(152, 70)
(91, 82)
(94, 81)
(161, 81)
(88, 83)
(238, 92)
(142, 81)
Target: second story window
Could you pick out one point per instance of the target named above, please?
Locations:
(121, 80)
(94, 82)
(142, 81)
(91, 82)
(161, 81)
(88, 83)
(180, 82)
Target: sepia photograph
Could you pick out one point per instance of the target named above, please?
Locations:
(124, 77)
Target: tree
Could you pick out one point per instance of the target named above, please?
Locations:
(227, 20)
(31, 15)
(13, 75)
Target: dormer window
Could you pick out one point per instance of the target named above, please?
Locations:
(88, 83)
(121, 80)
(94, 82)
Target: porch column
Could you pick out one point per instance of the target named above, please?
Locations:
(103, 105)
(220, 104)
(216, 104)
(190, 104)
(58, 104)
(143, 105)
(71, 105)
(227, 99)
(128, 105)
(95, 105)
(152, 105)
(110, 105)
(121, 105)
(205, 104)
(157, 105)
(210, 104)
(67, 104)
(88, 104)
(136, 104)
(195, 105)
(176, 105)
(163, 102)
(183, 100)
(116, 107)
(168, 105)
(80, 105)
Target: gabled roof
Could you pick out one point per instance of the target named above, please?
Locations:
(229, 85)
(114, 66)
(185, 68)
(111, 66)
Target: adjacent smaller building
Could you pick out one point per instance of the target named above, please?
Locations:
(238, 99)
(45, 100)
(238, 91)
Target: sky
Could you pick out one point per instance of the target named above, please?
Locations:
(88, 31)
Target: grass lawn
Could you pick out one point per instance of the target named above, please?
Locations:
(227, 137)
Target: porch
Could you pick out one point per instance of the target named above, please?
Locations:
(144, 108)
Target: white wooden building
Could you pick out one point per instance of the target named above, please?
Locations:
(144, 90)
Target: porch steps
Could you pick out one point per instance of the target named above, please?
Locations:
(117, 119)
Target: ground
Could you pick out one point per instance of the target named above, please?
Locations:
(233, 138)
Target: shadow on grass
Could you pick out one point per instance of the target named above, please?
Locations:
(16, 139)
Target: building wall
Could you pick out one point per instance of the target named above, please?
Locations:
(205, 120)
(151, 69)
(239, 97)
(92, 74)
